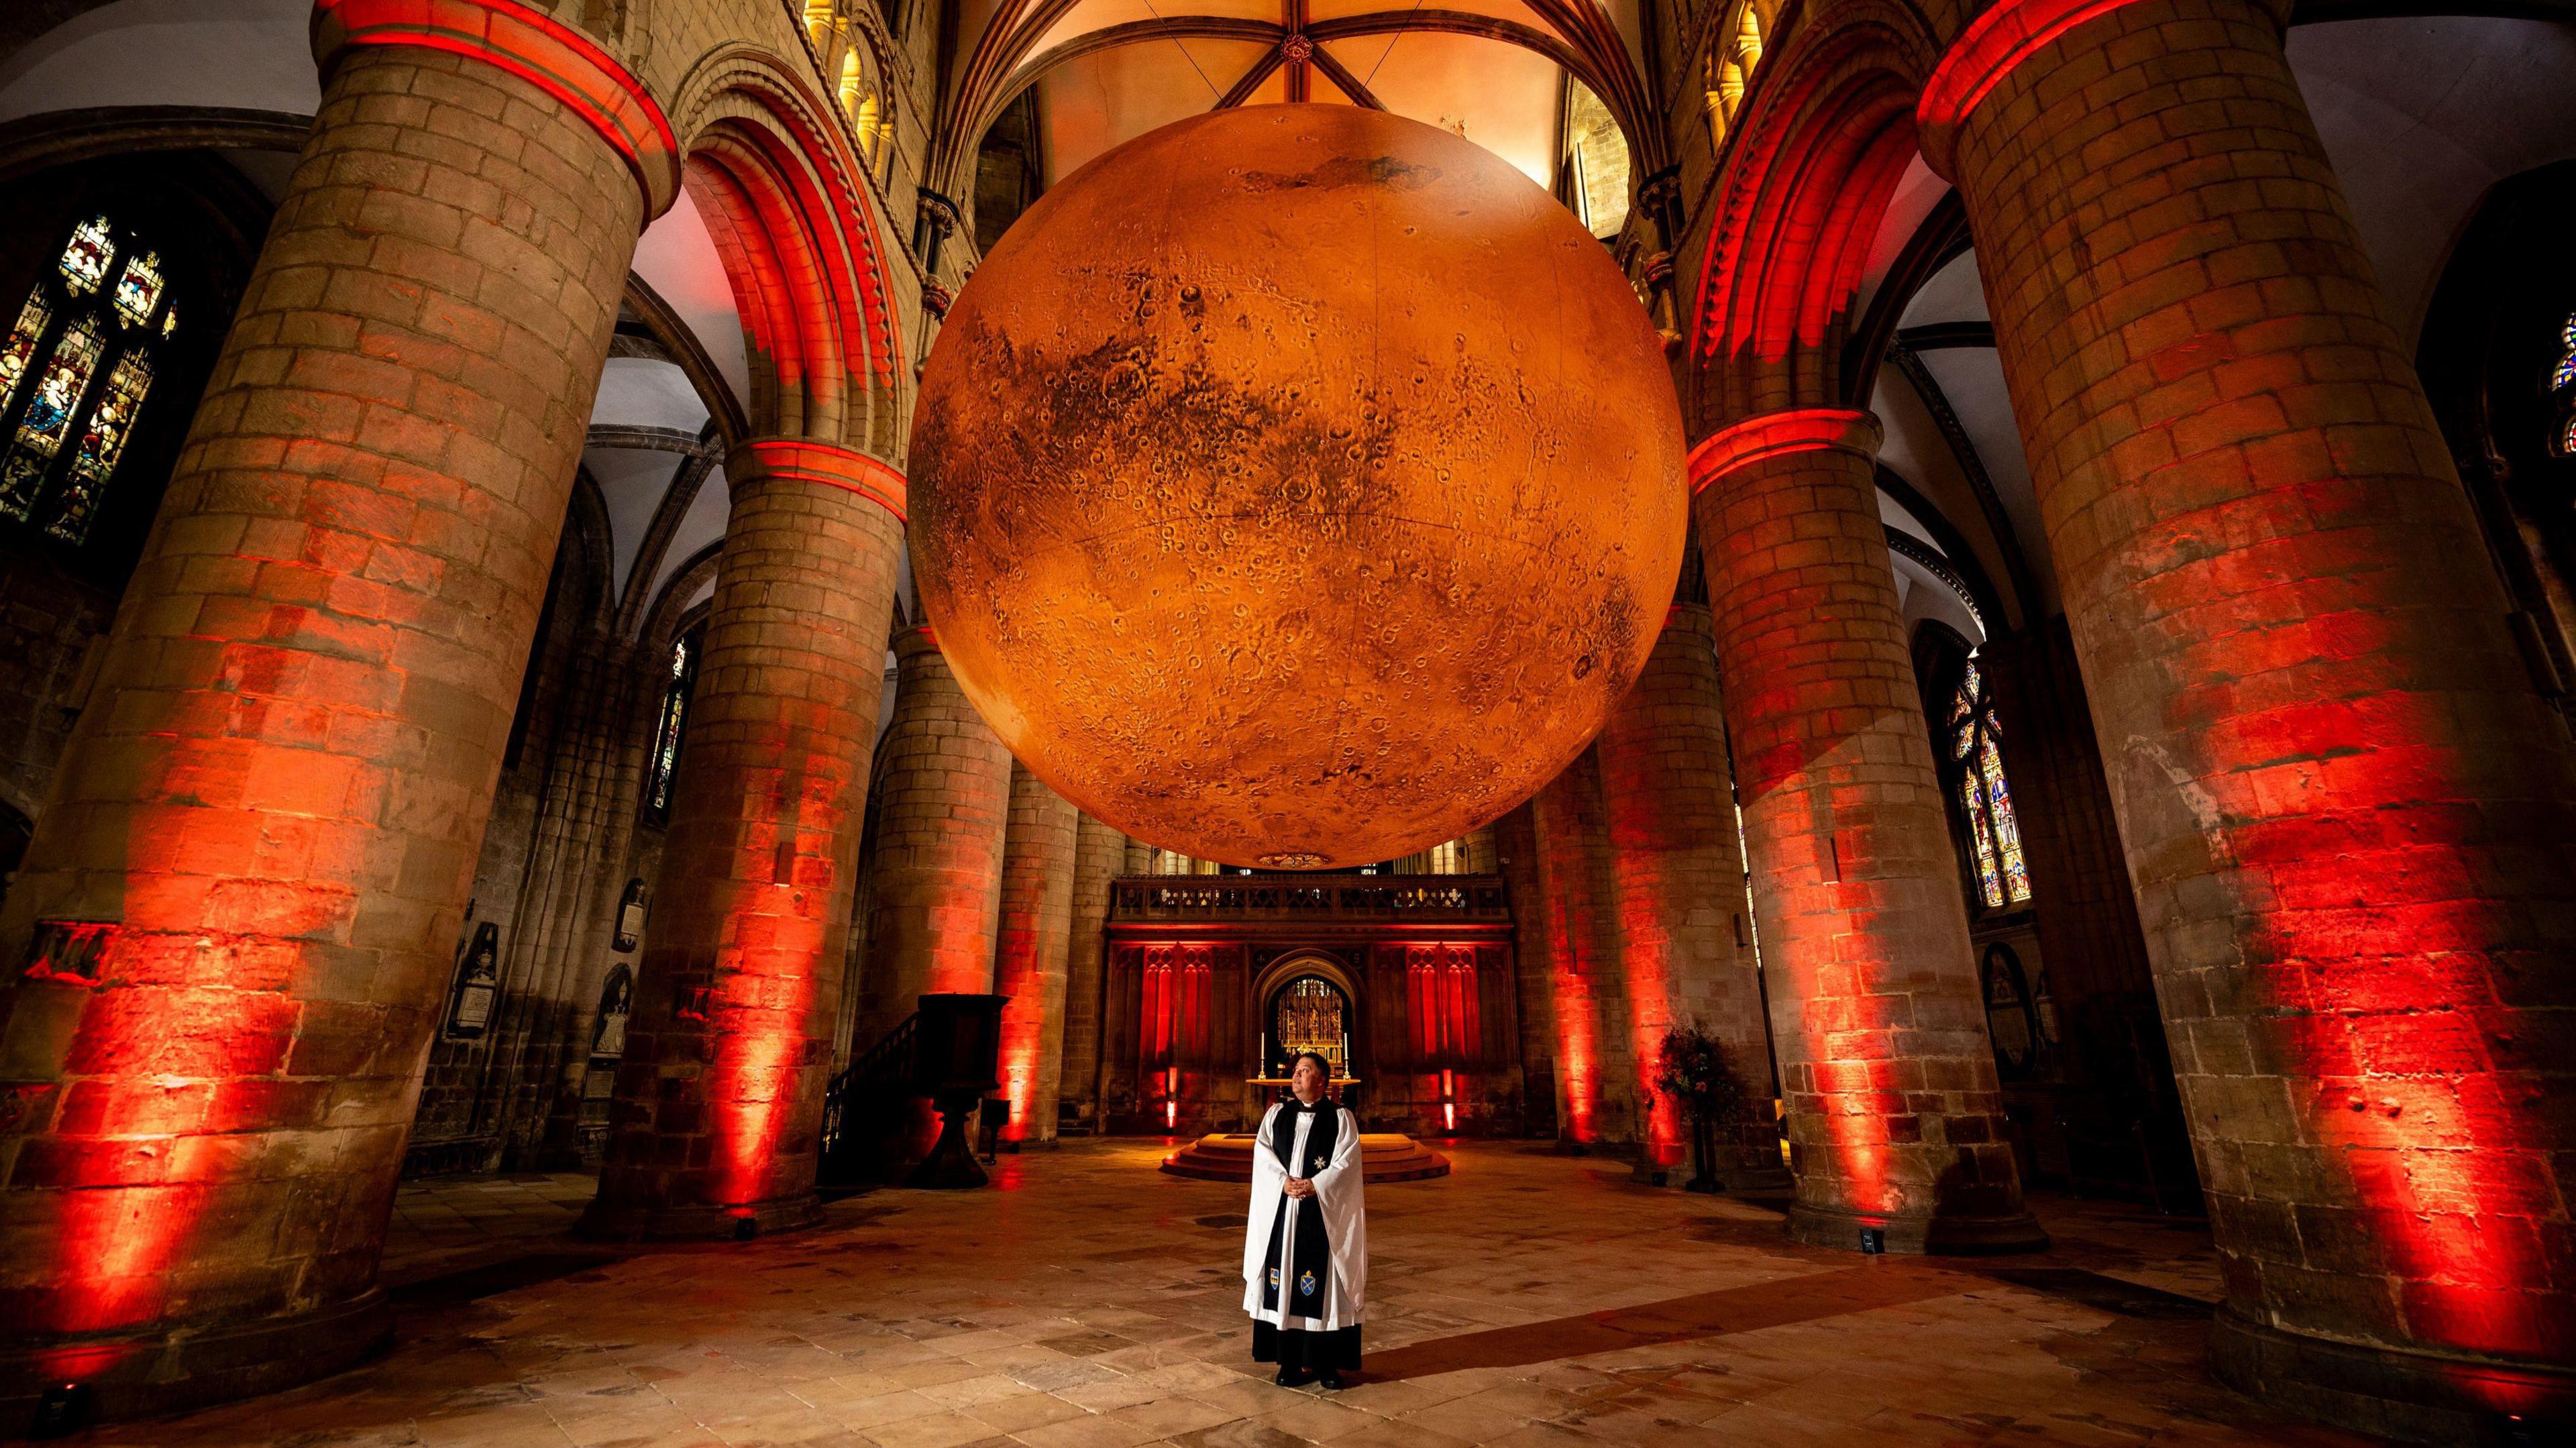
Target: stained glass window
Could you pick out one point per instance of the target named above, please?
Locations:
(2562, 380)
(47, 416)
(21, 348)
(100, 443)
(85, 257)
(138, 290)
(1985, 797)
(666, 733)
(75, 374)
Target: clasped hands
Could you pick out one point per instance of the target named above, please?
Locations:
(1299, 1188)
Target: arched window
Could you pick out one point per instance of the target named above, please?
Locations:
(2003, 878)
(1730, 71)
(74, 373)
(819, 21)
(668, 730)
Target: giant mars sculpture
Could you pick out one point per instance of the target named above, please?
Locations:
(1297, 486)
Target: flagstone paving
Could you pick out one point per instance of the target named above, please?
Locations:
(1088, 1301)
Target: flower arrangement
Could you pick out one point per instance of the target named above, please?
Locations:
(1695, 1069)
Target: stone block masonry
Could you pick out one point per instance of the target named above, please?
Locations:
(1029, 957)
(2346, 809)
(1895, 1115)
(264, 827)
(719, 1106)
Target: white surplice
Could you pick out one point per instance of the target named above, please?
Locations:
(1337, 1195)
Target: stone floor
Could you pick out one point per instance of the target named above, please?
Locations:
(1091, 1302)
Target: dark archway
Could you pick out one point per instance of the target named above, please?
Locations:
(2495, 359)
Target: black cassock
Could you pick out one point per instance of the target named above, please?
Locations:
(1307, 1317)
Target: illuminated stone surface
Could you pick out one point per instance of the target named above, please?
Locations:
(1527, 1299)
(1297, 485)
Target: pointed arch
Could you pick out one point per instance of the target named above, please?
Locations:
(1807, 178)
(787, 202)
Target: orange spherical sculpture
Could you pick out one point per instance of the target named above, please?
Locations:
(1297, 486)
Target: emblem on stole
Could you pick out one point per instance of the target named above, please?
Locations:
(1306, 1284)
(1319, 1163)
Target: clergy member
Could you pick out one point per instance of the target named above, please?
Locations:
(1305, 1244)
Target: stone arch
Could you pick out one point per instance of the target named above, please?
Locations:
(785, 199)
(673, 611)
(1307, 962)
(586, 548)
(1807, 177)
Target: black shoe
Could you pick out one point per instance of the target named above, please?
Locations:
(1331, 1379)
(1291, 1378)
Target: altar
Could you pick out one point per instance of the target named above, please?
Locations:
(1404, 984)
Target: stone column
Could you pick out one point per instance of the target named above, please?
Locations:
(1100, 853)
(1684, 955)
(2346, 808)
(936, 900)
(1029, 954)
(1895, 1115)
(1595, 1087)
(239, 910)
(1533, 995)
(719, 1103)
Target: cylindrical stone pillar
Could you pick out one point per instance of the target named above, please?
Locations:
(1099, 854)
(1895, 1115)
(729, 1042)
(238, 913)
(936, 899)
(1596, 1091)
(1029, 954)
(2347, 811)
(1684, 957)
(1516, 859)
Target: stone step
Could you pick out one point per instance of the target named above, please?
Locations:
(1226, 1156)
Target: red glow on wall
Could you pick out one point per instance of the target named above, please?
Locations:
(1578, 1039)
(537, 48)
(1174, 1018)
(1648, 978)
(838, 467)
(1807, 188)
(1774, 434)
(760, 1039)
(806, 264)
(2380, 987)
(1578, 1054)
(1022, 1043)
(1441, 1001)
(185, 1054)
(2006, 34)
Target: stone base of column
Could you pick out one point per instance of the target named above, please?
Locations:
(2407, 1394)
(636, 1222)
(1756, 1181)
(168, 1372)
(1947, 1236)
